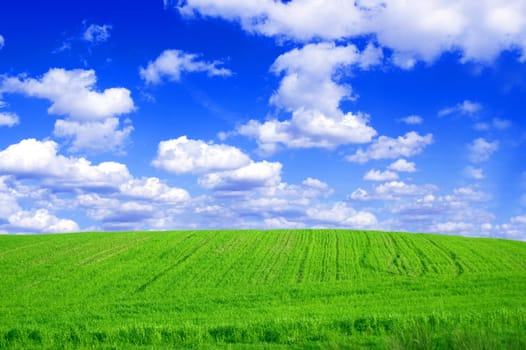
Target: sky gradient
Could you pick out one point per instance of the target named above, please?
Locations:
(197, 114)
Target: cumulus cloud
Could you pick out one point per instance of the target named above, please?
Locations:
(2, 42)
(377, 175)
(253, 175)
(172, 63)
(8, 119)
(413, 29)
(97, 34)
(341, 215)
(481, 150)
(40, 221)
(466, 107)
(31, 158)
(153, 188)
(310, 92)
(402, 165)
(94, 136)
(386, 147)
(72, 93)
(183, 155)
(412, 120)
(91, 116)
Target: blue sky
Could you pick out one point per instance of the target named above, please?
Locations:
(152, 115)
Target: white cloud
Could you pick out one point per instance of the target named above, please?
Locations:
(340, 214)
(473, 173)
(91, 115)
(8, 198)
(72, 93)
(172, 63)
(153, 189)
(413, 29)
(521, 219)
(386, 147)
(97, 34)
(280, 222)
(94, 136)
(402, 165)
(496, 123)
(393, 189)
(481, 150)
(466, 107)
(412, 120)
(310, 91)
(9, 119)
(360, 195)
(183, 155)
(39, 159)
(377, 175)
(2, 42)
(253, 175)
(116, 214)
(470, 194)
(501, 124)
(453, 227)
(40, 221)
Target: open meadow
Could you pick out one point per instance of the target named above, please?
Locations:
(261, 289)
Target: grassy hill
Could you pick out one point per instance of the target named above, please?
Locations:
(261, 289)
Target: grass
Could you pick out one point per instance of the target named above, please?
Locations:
(262, 289)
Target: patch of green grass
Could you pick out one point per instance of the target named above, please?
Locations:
(299, 289)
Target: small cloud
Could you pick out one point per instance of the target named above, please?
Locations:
(2, 42)
(412, 120)
(481, 150)
(501, 124)
(97, 34)
(402, 165)
(473, 173)
(466, 107)
(386, 147)
(481, 126)
(377, 175)
(172, 63)
(9, 119)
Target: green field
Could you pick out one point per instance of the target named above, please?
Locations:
(262, 289)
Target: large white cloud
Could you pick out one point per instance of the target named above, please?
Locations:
(183, 155)
(310, 91)
(8, 119)
(91, 116)
(172, 63)
(31, 158)
(466, 107)
(72, 93)
(384, 147)
(40, 221)
(413, 29)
